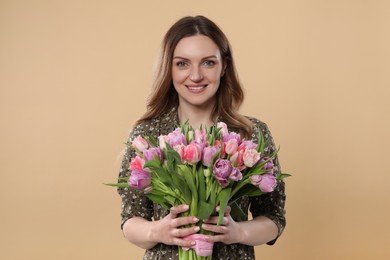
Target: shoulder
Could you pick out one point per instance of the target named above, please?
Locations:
(258, 125)
(155, 126)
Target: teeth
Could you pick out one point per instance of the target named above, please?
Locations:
(196, 88)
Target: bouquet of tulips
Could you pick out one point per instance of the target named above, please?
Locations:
(203, 168)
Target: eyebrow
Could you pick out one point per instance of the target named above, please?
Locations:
(207, 57)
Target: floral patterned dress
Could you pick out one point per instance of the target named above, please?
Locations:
(135, 203)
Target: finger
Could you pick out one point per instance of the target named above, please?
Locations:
(183, 232)
(181, 221)
(182, 242)
(215, 238)
(174, 211)
(214, 220)
(215, 229)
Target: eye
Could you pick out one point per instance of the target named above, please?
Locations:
(181, 64)
(209, 63)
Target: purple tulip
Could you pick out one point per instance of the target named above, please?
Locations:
(236, 175)
(152, 153)
(231, 135)
(247, 144)
(222, 170)
(176, 138)
(268, 166)
(266, 182)
(208, 155)
(140, 179)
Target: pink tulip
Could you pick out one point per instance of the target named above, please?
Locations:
(179, 150)
(136, 163)
(140, 143)
(192, 153)
(200, 136)
(237, 160)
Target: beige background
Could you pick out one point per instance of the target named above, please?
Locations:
(75, 75)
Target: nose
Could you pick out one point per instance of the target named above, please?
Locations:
(196, 74)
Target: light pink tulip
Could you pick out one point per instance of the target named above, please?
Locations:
(224, 129)
(140, 143)
(251, 157)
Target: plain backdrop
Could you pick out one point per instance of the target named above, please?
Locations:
(75, 75)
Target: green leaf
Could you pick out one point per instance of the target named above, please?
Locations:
(187, 174)
(244, 190)
(223, 199)
(153, 141)
(170, 199)
(159, 200)
(282, 176)
(237, 213)
(260, 145)
(153, 164)
(205, 209)
(124, 179)
(172, 155)
(119, 185)
(201, 185)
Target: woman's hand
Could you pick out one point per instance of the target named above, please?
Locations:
(170, 230)
(228, 232)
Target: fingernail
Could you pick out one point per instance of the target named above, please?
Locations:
(196, 229)
(186, 207)
(193, 242)
(195, 219)
(204, 226)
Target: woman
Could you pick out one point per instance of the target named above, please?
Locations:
(197, 82)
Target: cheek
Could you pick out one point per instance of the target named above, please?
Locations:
(179, 75)
(214, 76)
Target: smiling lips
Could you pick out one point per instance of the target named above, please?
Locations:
(196, 88)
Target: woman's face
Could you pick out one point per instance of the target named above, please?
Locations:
(197, 68)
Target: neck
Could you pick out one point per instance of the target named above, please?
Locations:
(196, 116)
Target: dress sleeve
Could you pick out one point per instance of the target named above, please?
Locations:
(270, 205)
(134, 202)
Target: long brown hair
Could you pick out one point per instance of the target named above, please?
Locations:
(229, 95)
